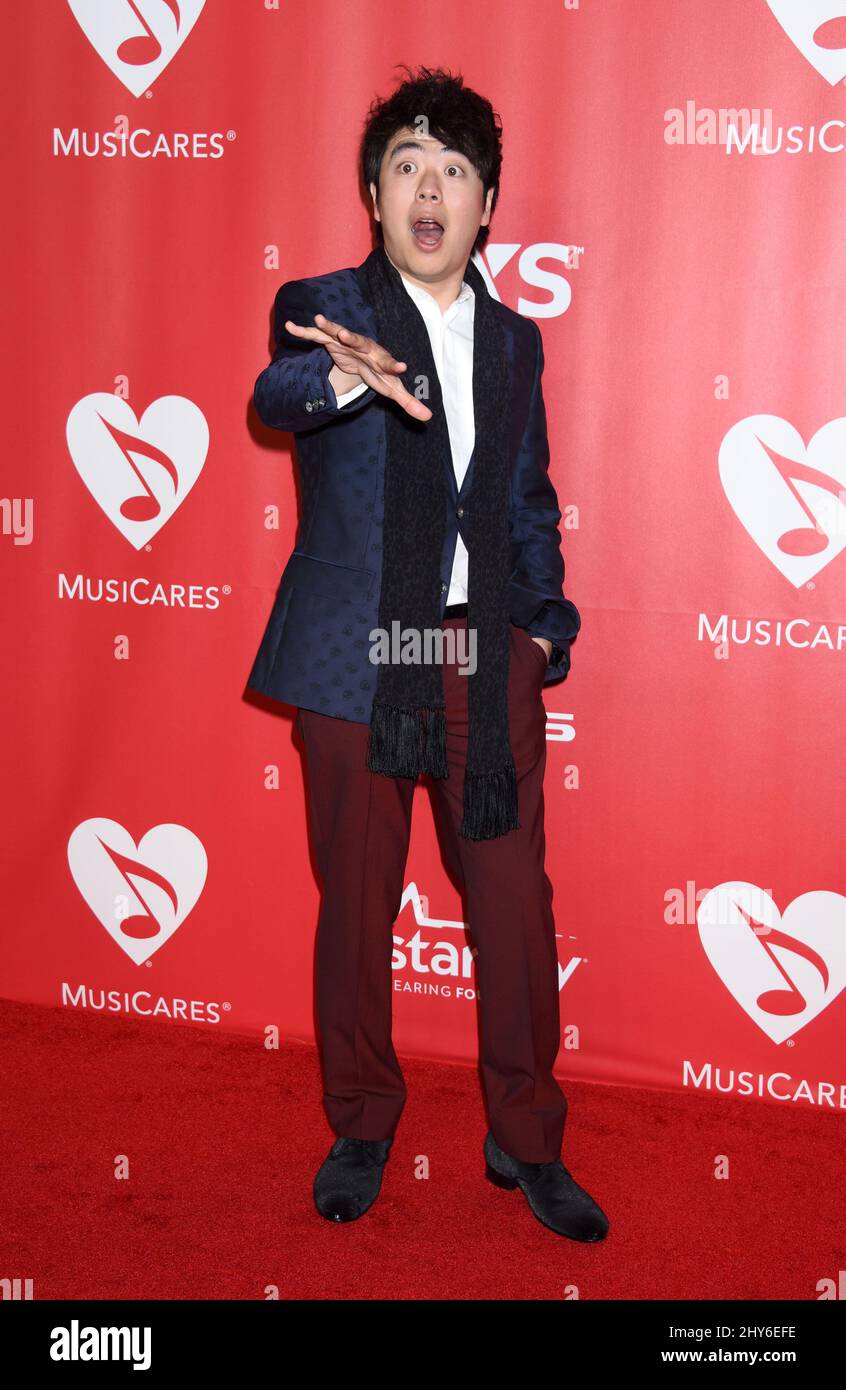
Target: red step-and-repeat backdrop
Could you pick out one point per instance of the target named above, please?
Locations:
(672, 214)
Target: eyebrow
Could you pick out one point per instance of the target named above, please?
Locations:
(416, 145)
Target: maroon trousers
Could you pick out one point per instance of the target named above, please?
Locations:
(360, 827)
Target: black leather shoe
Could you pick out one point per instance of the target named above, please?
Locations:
(348, 1181)
(551, 1192)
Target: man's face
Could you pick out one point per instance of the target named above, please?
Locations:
(420, 178)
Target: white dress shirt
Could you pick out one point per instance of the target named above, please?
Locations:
(451, 337)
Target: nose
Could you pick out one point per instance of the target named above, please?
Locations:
(428, 188)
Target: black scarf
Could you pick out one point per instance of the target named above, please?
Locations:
(407, 725)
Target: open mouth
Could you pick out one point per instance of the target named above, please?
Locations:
(427, 232)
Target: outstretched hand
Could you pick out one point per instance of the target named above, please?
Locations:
(358, 355)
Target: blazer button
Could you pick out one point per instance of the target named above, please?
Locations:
(460, 511)
(309, 407)
(444, 588)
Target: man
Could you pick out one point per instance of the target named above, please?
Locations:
(425, 509)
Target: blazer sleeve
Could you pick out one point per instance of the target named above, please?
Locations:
(293, 392)
(537, 583)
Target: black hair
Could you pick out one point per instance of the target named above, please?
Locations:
(456, 115)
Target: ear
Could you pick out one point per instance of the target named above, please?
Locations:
(486, 215)
(375, 196)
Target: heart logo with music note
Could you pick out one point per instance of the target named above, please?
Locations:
(140, 894)
(136, 38)
(790, 499)
(818, 29)
(782, 970)
(139, 472)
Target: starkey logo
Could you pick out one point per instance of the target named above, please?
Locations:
(431, 955)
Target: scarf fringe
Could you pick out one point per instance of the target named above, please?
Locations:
(406, 741)
(434, 752)
(490, 804)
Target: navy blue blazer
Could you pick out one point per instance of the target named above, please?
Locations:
(315, 648)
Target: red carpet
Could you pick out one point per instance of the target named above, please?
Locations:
(223, 1139)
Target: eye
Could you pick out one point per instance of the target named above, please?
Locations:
(406, 164)
(457, 167)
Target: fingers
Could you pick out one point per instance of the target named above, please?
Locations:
(359, 343)
(332, 327)
(371, 355)
(315, 335)
(410, 404)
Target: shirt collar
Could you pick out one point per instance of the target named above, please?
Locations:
(421, 296)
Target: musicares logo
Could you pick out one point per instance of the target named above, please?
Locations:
(818, 29)
(138, 472)
(141, 1003)
(441, 958)
(791, 499)
(140, 894)
(782, 970)
(136, 39)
